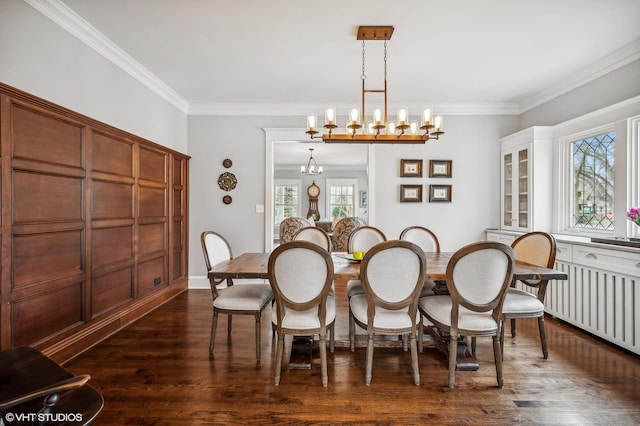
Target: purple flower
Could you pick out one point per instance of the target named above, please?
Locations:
(633, 215)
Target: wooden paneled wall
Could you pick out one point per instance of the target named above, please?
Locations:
(93, 226)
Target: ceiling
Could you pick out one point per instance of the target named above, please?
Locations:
(293, 56)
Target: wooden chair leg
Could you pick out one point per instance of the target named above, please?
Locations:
(543, 336)
(279, 354)
(421, 335)
(513, 327)
(414, 359)
(367, 378)
(502, 339)
(332, 338)
(229, 318)
(497, 354)
(323, 360)
(453, 351)
(405, 343)
(352, 332)
(214, 324)
(257, 315)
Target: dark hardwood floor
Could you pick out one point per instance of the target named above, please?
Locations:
(158, 371)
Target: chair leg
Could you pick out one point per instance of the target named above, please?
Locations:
(258, 337)
(229, 318)
(497, 354)
(502, 339)
(513, 327)
(473, 345)
(352, 332)
(323, 360)
(453, 351)
(414, 359)
(543, 336)
(214, 324)
(421, 335)
(332, 338)
(405, 343)
(367, 377)
(279, 351)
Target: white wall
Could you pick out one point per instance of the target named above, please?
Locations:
(41, 58)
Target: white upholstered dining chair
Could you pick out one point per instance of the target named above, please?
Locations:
(230, 299)
(362, 239)
(301, 274)
(477, 279)
(392, 275)
(539, 249)
(315, 235)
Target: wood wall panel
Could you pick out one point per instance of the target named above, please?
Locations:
(42, 136)
(111, 290)
(148, 274)
(111, 245)
(152, 165)
(112, 200)
(36, 318)
(152, 202)
(41, 197)
(34, 261)
(86, 226)
(111, 155)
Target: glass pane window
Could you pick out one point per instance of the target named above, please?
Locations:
(286, 202)
(341, 201)
(593, 187)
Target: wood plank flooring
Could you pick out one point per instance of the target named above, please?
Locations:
(158, 371)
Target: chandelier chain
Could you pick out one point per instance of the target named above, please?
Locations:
(385, 59)
(363, 76)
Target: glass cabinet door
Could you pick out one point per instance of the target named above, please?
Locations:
(507, 206)
(523, 188)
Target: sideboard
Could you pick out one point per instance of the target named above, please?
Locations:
(93, 226)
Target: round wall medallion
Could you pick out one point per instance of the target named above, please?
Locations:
(227, 181)
(227, 199)
(227, 163)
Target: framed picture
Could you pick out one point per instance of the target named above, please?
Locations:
(440, 168)
(410, 168)
(439, 193)
(410, 193)
(364, 201)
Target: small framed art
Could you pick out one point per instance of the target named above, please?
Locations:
(364, 201)
(439, 193)
(410, 168)
(410, 193)
(440, 168)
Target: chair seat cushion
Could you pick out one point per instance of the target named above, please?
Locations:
(354, 287)
(439, 309)
(521, 302)
(304, 320)
(384, 319)
(243, 297)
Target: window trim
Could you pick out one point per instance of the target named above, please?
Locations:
(287, 182)
(565, 205)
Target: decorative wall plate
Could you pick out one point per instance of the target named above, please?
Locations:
(227, 163)
(227, 199)
(227, 181)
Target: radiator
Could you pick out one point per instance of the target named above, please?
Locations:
(603, 303)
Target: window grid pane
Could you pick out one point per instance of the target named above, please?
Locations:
(285, 202)
(593, 182)
(341, 201)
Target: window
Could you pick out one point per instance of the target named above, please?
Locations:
(592, 182)
(286, 201)
(341, 198)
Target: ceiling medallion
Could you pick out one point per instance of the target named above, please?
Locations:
(227, 181)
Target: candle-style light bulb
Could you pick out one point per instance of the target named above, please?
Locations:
(311, 122)
(414, 127)
(437, 121)
(330, 114)
(354, 115)
(402, 116)
(391, 128)
(426, 116)
(377, 116)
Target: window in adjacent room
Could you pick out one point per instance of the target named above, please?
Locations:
(341, 198)
(286, 201)
(592, 182)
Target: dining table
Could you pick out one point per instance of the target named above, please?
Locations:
(255, 266)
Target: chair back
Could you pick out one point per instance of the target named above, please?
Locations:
(536, 248)
(478, 276)
(365, 237)
(392, 275)
(315, 235)
(289, 226)
(341, 231)
(300, 275)
(421, 236)
(216, 249)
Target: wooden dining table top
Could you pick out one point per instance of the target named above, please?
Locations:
(255, 265)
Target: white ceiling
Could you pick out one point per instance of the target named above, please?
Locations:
(293, 56)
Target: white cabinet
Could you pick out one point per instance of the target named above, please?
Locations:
(526, 180)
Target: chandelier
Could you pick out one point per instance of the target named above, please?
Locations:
(379, 129)
(312, 167)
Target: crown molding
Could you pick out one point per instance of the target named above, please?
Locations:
(617, 59)
(73, 23)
